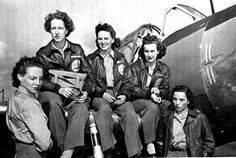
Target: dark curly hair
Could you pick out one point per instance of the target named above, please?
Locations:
(149, 39)
(188, 92)
(69, 25)
(108, 28)
(21, 66)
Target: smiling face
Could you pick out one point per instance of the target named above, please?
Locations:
(32, 79)
(104, 41)
(180, 101)
(58, 30)
(150, 52)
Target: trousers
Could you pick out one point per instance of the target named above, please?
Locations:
(67, 132)
(150, 114)
(129, 124)
(28, 151)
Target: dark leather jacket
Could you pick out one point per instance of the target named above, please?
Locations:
(160, 79)
(51, 58)
(97, 84)
(199, 137)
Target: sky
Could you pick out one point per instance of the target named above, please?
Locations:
(22, 31)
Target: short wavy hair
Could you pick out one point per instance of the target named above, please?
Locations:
(21, 66)
(69, 25)
(188, 93)
(108, 28)
(150, 39)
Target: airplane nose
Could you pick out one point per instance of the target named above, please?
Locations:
(222, 90)
(225, 71)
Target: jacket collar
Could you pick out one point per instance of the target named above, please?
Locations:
(50, 48)
(192, 114)
(117, 55)
(144, 65)
(168, 117)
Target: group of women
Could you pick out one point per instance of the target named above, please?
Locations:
(170, 128)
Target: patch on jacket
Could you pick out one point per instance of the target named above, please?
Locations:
(75, 65)
(121, 69)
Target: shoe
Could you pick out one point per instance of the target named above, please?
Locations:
(67, 153)
(151, 151)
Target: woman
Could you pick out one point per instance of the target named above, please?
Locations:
(184, 131)
(110, 92)
(151, 84)
(62, 54)
(24, 116)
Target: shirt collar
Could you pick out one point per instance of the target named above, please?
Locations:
(65, 46)
(50, 49)
(22, 89)
(110, 54)
(182, 115)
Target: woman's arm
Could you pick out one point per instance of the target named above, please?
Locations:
(36, 122)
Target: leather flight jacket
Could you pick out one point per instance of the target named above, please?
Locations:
(97, 85)
(74, 61)
(160, 79)
(199, 138)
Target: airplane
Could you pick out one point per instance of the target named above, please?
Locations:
(200, 55)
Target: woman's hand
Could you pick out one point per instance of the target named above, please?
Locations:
(108, 97)
(155, 90)
(82, 97)
(155, 98)
(120, 100)
(66, 91)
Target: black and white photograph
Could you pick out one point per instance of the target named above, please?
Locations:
(117, 78)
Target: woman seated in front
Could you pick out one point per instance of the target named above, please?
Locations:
(184, 131)
(24, 116)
